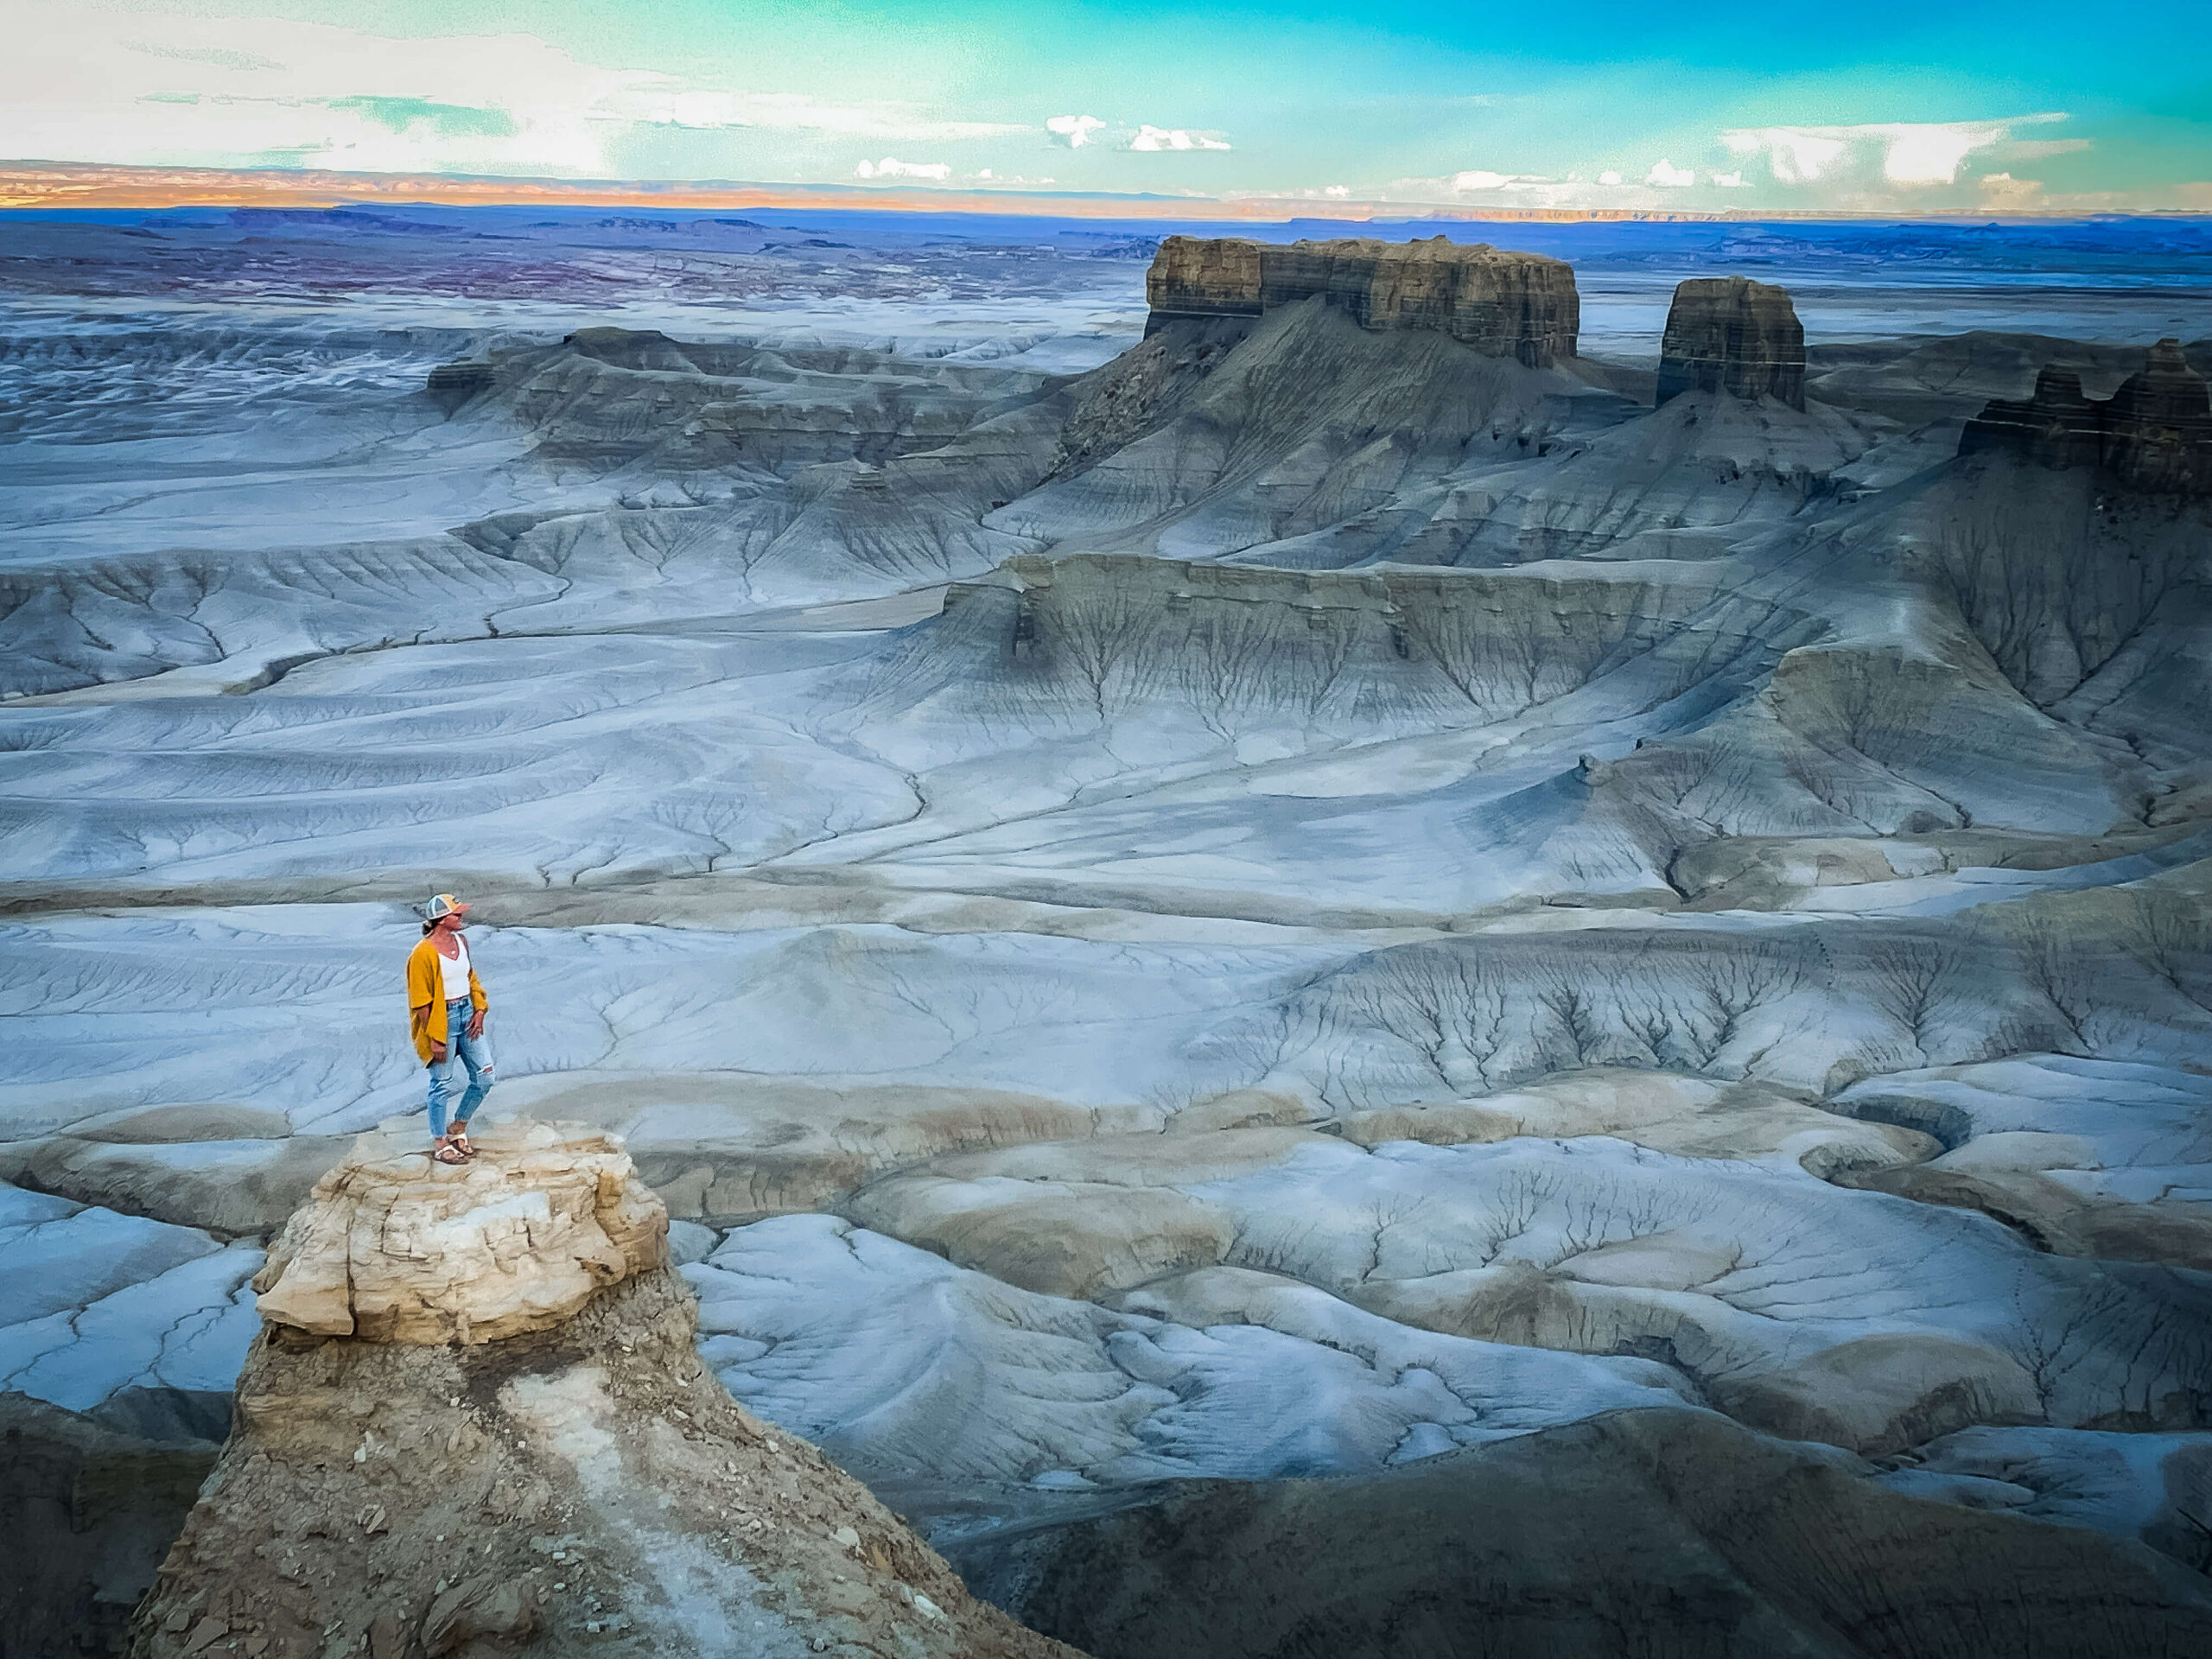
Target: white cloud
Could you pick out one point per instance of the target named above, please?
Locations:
(1930, 154)
(1074, 130)
(1478, 179)
(1609, 177)
(1731, 180)
(1668, 176)
(892, 168)
(1794, 155)
(1151, 137)
(1908, 153)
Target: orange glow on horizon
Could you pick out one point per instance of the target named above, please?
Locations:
(30, 185)
(65, 185)
(61, 185)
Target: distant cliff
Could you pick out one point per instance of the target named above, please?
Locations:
(1504, 304)
(1730, 334)
(2155, 433)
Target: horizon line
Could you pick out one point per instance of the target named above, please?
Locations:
(48, 186)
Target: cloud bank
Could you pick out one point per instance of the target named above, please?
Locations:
(1910, 153)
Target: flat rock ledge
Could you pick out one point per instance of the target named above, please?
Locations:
(395, 1247)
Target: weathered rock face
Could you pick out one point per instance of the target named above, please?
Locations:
(395, 1248)
(581, 1485)
(452, 384)
(1730, 334)
(2154, 434)
(2158, 426)
(1504, 304)
(2057, 427)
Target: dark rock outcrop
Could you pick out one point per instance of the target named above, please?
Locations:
(452, 384)
(2057, 427)
(1502, 303)
(2158, 426)
(2154, 434)
(1730, 334)
(1629, 1535)
(88, 1508)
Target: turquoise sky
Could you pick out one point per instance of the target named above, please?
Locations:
(1942, 105)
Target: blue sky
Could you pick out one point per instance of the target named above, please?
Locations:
(1945, 105)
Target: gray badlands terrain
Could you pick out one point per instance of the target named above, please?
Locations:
(1334, 949)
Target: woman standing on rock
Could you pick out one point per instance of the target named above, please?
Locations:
(445, 1008)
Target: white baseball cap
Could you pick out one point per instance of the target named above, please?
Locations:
(444, 903)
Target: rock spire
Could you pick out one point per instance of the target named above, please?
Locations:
(1730, 334)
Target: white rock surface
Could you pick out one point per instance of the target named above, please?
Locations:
(95, 1302)
(904, 1364)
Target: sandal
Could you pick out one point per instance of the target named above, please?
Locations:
(446, 1153)
(459, 1142)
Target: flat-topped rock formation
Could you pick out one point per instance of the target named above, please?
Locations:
(2154, 434)
(515, 1242)
(475, 1422)
(1730, 334)
(1502, 303)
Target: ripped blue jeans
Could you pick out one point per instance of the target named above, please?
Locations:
(472, 1051)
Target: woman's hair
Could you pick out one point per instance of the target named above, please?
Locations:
(429, 928)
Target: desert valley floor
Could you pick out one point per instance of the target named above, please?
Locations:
(1176, 905)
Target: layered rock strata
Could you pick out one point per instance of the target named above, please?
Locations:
(1730, 334)
(1502, 303)
(2154, 434)
(513, 1445)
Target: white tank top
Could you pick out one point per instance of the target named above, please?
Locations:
(455, 971)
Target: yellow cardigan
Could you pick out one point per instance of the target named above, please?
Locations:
(423, 988)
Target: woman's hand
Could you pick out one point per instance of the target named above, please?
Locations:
(438, 1052)
(476, 1023)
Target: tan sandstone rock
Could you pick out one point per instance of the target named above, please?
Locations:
(396, 1248)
